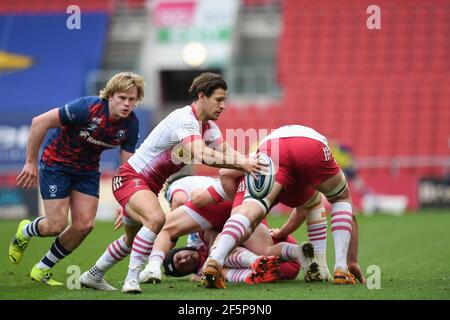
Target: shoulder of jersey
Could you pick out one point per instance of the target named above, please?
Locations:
(90, 100)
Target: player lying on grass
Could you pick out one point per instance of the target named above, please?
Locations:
(241, 265)
(185, 219)
(304, 166)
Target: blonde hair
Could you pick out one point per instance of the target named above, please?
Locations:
(122, 82)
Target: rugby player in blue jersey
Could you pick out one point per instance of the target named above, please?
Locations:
(69, 166)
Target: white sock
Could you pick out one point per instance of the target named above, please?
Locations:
(233, 231)
(317, 235)
(237, 275)
(156, 258)
(31, 229)
(114, 253)
(341, 228)
(317, 228)
(141, 249)
(289, 251)
(321, 258)
(240, 258)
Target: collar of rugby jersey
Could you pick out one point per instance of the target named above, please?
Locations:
(205, 124)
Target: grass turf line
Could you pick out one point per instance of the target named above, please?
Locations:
(411, 251)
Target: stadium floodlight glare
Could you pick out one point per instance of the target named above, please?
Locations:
(194, 54)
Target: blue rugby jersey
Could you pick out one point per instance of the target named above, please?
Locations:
(85, 133)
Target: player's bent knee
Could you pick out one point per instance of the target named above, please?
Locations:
(160, 219)
(342, 197)
(155, 221)
(173, 231)
(54, 229)
(264, 203)
(339, 191)
(314, 201)
(83, 228)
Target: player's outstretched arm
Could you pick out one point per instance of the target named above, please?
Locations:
(229, 178)
(296, 218)
(200, 153)
(201, 198)
(352, 254)
(117, 218)
(227, 149)
(27, 178)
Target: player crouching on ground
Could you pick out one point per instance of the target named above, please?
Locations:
(304, 165)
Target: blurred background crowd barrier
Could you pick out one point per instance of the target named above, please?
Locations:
(383, 92)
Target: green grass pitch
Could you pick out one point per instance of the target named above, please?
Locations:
(412, 252)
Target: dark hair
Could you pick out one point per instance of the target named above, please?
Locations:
(207, 82)
(169, 266)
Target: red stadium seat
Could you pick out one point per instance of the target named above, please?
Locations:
(383, 93)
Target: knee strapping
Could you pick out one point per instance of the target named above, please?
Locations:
(314, 201)
(129, 222)
(337, 190)
(316, 215)
(263, 203)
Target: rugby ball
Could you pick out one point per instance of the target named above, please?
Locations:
(261, 186)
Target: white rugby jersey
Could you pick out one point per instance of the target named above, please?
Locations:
(154, 161)
(295, 131)
(190, 183)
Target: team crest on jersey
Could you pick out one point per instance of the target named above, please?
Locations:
(52, 188)
(92, 126)
(120, 133)
(97, 120)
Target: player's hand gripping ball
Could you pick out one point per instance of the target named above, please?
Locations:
(261, 186)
